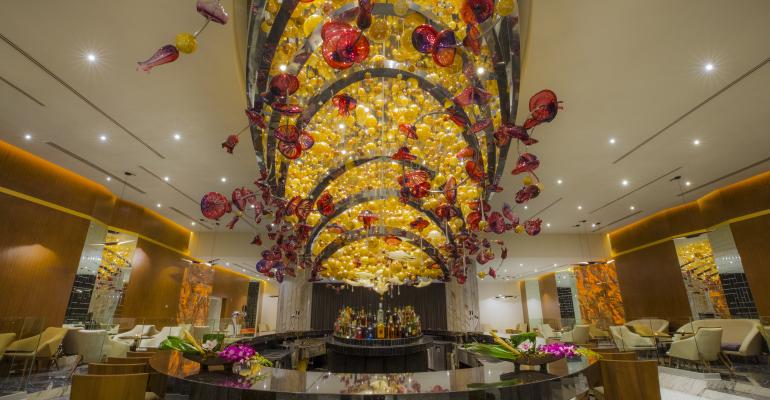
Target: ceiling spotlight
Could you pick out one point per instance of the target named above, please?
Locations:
(177, 136)
(709, 67)
(157, 205)
(526, 207)
(521, 265)
(342, 126)
(282, 67)
(165, 178)
(548, 225)
(103, 138)
(535, 269)
(109, 178)
(559, 181)
(28, 137)
(91, 57)
(612, 140)
(624, 182)
(481, 70)
(554, 264)
(580, 207)
(593, 225)
(632, 208)
(696, 142)
(192, 223)
(688, 183)
(223, 179)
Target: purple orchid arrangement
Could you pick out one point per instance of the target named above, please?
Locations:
(237, 353)
(559, 349)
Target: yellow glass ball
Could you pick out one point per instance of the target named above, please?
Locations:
(483, 225)
(527, 180)
(311, 23)
(482, 274)
(519, 229)
(378, 32)
(505, 7)
(401, 7)
(186, 42)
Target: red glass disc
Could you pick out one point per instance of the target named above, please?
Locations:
(446, 48)
(290, 150)
(214, 205)
(481, 125)
(325, 204)
(242, 197)
(284, 84)
(424, 38)
(303, 209)
(409, 130)
(287, 109)
(474, 170)
(450, 190)
(403, 154)
(287, 133)
(476, 11)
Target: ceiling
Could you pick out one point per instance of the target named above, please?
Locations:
(632, 71)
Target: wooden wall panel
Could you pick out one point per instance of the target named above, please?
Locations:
(651, 284)
(733, 201)
(152, 294)
(523, 290)
(39, 255)
(549, 300)
(233, 287)
(752, 239)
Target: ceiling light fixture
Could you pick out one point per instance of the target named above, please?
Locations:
(91, 57)
(526, 207)
(165, 178)
(177, 136)
(109, 178)
(688, 183)
(223, 179)
(612, 140)
(624, 182)
(192, 223)
(481, 70)
(559, 181)
(157, 205)
(282, 67)
(708, 67)
(632, 208)
(547, 224)
(103, 138)
(696, 142)
(28, 137)
(580, 207)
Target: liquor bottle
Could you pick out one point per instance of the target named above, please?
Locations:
(380, 315)
(391, 328)
(380, 330)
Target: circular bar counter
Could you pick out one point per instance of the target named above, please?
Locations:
(374, 356)
(563, 380)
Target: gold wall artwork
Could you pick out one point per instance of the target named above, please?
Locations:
(197, 285)
(599, 294)
(701, 278)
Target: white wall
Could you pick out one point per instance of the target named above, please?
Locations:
(496, 313)
(269, 308)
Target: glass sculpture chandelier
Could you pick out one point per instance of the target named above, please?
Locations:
(381, 129)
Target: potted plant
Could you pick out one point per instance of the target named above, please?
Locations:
(246, 361)
(206, 354)
(522, 349)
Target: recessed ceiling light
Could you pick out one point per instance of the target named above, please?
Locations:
(554, 264)
(192, 223)
(696, 142)
(157, 205)
(632, 208)
(282, 67)
(109, 178)
(688, 183)
(548, 225)
(559, 181)
(612, 140)
(526, 207)
(342, 126)
(709, 67)
(28, 137)
(580, 207)
(165, 178)
(535, 269)
(481, 70)
(624, 182)
(223, 179)
(243, 269)
(521, 265)
(593, 225)
(103, 138)
(227, 264)
(177, 136)
(91, 57)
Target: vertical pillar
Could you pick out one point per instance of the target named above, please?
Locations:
(462, 302)
(294, 297)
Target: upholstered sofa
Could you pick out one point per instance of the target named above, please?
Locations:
(625, 340)
(740, 337)
(654, 324)
(138, 330)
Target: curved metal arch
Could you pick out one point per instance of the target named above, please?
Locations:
(356, 235)
(343, 168)
(367, 196)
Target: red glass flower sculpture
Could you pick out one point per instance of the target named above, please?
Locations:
(255, 118)
(508, 213)
(284, 84)
(303, 209)
(496, 222)
(467, 152)
(287, 109)
(473, 95)
(472, 38)
(532, 227)
(344, 103)
(446, 211)
(392, 240)
(450, 190)
(230, 143)
(527, 162)
(543, 107)
(325, 204)
(343, 45)
(409, 130)
(424, 38)
(403, 154)
(287, 133)
(214, 205)
(367, 218)
(474, 170)
(527, 193)
(364, 19)
(243, 197)
(419, 224)
(476, 11)
(480, 125)
(446, 48)
(473, 219)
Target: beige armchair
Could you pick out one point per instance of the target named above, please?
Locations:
(596, 333)
(740, 337)
(5, 340)
(578, 335)
(39, 347)
(625, 340)
(547, 332)
(89, 344)
(138, 330)
(523, 327)
(154, 342)
(703, 347)
(649, 324)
